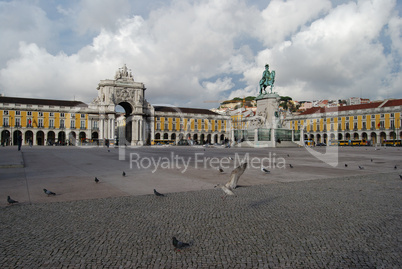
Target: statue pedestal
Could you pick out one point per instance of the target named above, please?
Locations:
(267, 106)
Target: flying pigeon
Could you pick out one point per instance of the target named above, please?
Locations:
(361, 167)
(346, 165)
(395, 167)
(265, 170)
(11, 201)
(157, 193)
(221, 170)
(124, 174)
(96, 180)
(48, 192)
(290, 165)
(178, 244)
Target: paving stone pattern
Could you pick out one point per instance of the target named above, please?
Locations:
(351, 222)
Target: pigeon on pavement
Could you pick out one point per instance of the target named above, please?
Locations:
(48, 192)
(400, 176)
(290, 165)
(395, 167)
(178, 244)
(265, 170)
(157, 193)
(124, 174)
(96, 180)
(221, 170)
(11, 201)
(346, 165)
(361, 167)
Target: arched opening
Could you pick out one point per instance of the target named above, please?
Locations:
(356, 136)
(332, 136)
(40, 138)
(165, 136)
(16, 134)
(123, 121)
(347, 137)
(222, 138)
(216, 138)
(209, 138)
(383, 137)
(202, 139)
(5, 138)
(157, 136)
(364, 136)
(325, 138)
(82, 137)
(61, 137)
(312, 137)
(51, 138)
(195, 137)
(29, 137)
(173, 137)
(318, 138)
(181, 136)
(305, 137)
(340, 136)
(392, 135)
(373, 137)
(400, 135)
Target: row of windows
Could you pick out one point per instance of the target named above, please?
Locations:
(39, 123)
(381, 124)
(392, 115)
(40, 113)
(165, 119)
(166, 126)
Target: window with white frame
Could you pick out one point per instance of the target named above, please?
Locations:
(40, 113)
(17, 113)
(62, 114)
(5, 112)
(82, 115)
(5, 122)
(72, 124)
(61, 123)
(51, 123)
(82, 124)
(29, 113)
(40, 122)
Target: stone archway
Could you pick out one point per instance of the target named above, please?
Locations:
(130, 95)
(29, 137)
(5, 137)
(40, 138)
(373, 137)
(51, 138)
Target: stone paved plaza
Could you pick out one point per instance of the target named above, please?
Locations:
(311, 216)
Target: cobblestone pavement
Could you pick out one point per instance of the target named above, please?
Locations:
(349, 222)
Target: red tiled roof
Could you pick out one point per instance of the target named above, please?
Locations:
(185, 110)
(395, 102)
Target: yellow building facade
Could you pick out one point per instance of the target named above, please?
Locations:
(46, 122)
(373, 123)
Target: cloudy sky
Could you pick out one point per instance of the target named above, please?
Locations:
(189, 53)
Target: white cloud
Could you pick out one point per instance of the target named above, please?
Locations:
(187, 52)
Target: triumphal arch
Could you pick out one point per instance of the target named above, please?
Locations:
(123, 91)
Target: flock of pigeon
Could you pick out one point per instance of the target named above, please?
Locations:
(178, 245)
